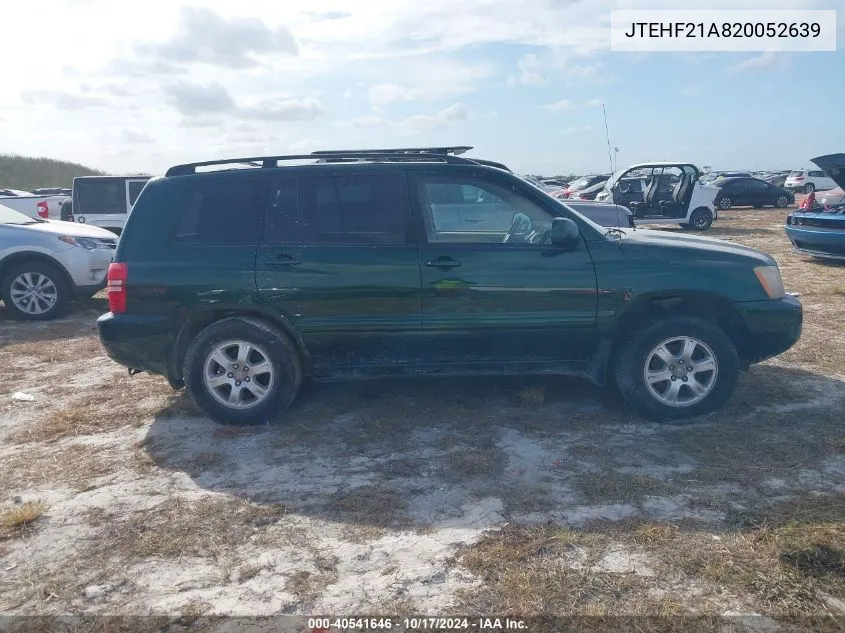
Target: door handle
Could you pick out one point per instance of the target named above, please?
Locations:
(443, 263)
(284, 260)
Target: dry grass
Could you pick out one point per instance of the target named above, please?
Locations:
(307, 585)
(22, 515)
(376, 506)
(532, 396)
(619, 487)
(469, 463)
(210, 526)
(74, 465)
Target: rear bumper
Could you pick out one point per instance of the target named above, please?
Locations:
(89, 290)
(137, 341)
(773, 326)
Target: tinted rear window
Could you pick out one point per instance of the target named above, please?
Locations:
(353, 209)
(99, 197)
(792, 174)
(135, 190)
(222, 211)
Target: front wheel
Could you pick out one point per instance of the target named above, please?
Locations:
(724, 203)
(241, 370)
(782, 202)
(677, 368)
(35, 291)
(701, 219)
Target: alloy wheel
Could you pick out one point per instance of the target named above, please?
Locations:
(34, 293)
(680, 371)
(239, 374)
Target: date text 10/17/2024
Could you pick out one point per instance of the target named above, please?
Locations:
(326, 625)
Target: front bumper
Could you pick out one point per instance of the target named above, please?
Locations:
(87, 269)
(137, 341)
(773, 326)
(827, 243)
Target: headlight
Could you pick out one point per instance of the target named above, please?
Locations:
(86, 243)
(769, 278)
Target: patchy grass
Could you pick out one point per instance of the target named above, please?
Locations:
(376, 506)
(532, 396)
(307, 585)
(470, 463)
(74, 465)
(22, 515)
(613, 486)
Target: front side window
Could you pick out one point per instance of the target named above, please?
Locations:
(223, 211)
(492, 214)
(359, 209)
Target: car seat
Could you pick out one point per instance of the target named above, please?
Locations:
(639, 209)
(678, 195)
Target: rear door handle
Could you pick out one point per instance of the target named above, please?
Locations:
(283, 260)
(443, 263)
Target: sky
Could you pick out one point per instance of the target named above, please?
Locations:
(168, 81)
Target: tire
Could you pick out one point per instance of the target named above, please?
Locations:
(50, 300)
(724, 203)
(782, 202)
(639, 354)
(809, 188)
(271, 349)
(701, 219)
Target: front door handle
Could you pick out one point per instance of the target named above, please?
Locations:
(443, 263)
(284, 260)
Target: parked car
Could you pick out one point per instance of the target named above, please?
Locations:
(808, 180)
(673, 194)
(603, 214)
(733, 174)
(45, 264)
(587, 193)
(553, 182)
(240, 283)
(35, 206)
(105, 201)
(778, 180)
(52, 191)
(582, 184)
(832, 198)
(820, 232)
(739, 192)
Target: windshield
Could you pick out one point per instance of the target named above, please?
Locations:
(580, 183)
(10, 216)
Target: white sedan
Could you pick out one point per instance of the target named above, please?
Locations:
(44, 264)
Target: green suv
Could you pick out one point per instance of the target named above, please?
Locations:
(240, 283)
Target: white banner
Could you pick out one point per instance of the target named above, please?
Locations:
(737, 31)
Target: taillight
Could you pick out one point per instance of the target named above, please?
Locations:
(116, 287)
(798, 178)
(43, 209)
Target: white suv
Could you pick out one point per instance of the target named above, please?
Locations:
(808, 180)
(46, 263)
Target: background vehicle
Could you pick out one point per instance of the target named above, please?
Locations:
(820, 233)
(673, 194)
(35, 206)
(732, 174)
(239, 283)
(778, 180)
(808, 180)
(582, 184)
(832, 198)
(44, 264)
(739, 192)
(587, 193)
(105, 201)
(53, 191)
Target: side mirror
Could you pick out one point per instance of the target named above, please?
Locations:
(565, 233)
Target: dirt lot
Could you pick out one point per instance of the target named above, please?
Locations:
(527, 496)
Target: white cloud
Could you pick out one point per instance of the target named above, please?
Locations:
(387, 93)
(363, 122)
(307, 145)
(424, 123)
(594, 103)
(763, 61)
(531, 71)
(563, 104)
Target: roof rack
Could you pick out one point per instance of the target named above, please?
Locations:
(273, 161)
(454, 150)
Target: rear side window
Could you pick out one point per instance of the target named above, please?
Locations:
(356, 209)
(100, 197)
(221, 211)
(134, 188)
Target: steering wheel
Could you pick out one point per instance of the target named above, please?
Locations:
(520, 227)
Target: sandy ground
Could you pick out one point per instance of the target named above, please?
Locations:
(534, 495)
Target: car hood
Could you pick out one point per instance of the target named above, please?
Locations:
(834, 166)
(711, 245)
(72, 229)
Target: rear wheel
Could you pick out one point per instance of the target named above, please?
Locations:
(701, 219)
(809, 188)
(241, 370)
(35, 291)
(677, 368)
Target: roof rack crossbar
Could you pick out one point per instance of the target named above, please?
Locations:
(273, 161)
